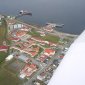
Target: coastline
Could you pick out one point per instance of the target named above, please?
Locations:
(40, 27)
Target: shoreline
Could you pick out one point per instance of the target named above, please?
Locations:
(40, 27)
(56, 33)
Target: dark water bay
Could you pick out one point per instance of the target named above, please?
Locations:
(68, 12)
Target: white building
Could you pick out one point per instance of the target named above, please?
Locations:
(15, 26)
(10, 57)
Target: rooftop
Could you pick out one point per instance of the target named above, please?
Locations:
(28, 70)
(20, 33)
(48, 50)
(3, 47)
(42, 58)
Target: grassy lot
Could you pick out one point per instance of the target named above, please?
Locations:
(34, 33)
(3, 55)
(51, 38)
(3, 37)
(8, 79)
(3, 31)
(40, 51)
(46, 46)
(48, 37)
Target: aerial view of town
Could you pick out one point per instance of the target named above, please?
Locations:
(30, 54)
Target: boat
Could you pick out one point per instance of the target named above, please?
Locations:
(25, 12)
(55, 25)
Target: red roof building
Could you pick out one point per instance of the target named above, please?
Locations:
(3, 48)
(20, 33)
(34, 51)
(14, 39)
(43, 58)
(28, 70)
(49, 52)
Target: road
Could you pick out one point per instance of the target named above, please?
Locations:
(29, 82)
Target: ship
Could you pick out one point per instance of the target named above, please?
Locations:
(55, 25)
(25, 12)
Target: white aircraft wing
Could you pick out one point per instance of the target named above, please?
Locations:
(71, 70)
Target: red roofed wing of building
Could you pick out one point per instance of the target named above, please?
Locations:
(49, 52)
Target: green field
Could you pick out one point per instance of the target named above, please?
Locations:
(48, 37)
(7, 78)
(3, 31)
(3, 37)
(3, 55)
(34, 33)
(51, 38)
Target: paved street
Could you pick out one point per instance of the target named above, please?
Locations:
(42, 69)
